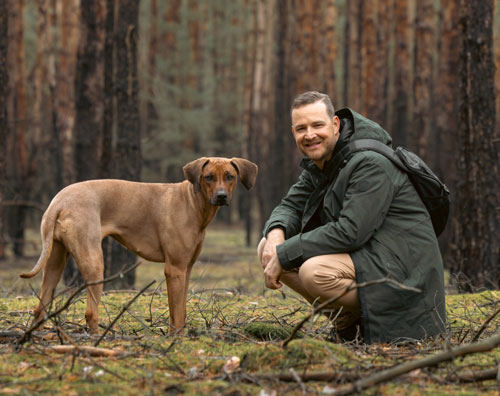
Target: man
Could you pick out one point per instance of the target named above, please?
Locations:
(365, 222)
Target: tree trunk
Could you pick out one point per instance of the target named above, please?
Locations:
(106, 160)
(261, 113)
(128, 149)
(477, 239)
(17, 166)
(4, 125)
(423, 82)
(87, 129)
(63, 89)
(446, 110)
(352, 76)
(399, 121)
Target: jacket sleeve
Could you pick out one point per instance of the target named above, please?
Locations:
(288, 214)
(367, 199)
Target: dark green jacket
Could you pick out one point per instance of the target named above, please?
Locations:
(371, 211)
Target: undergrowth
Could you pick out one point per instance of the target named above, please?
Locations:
(230, 315)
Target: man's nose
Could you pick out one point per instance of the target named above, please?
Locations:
(310, 133)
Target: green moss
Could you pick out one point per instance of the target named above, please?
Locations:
(268, 331)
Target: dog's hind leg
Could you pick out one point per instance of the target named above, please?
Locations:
(51, 276)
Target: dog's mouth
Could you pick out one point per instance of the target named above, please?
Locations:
(220, 199)
(220, 202)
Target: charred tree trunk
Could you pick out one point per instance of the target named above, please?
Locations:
(4, 125)
(477, 239)
(128, 149)
(106, 160)
(87, 128)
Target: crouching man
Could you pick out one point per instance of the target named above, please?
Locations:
(366, 222)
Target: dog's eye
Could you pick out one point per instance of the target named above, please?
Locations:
(229, 177)
(210, 177)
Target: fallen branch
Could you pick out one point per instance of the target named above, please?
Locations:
(485, 325)
(476, 376)
(333, 299)
(86, 350)
(339, 377)
(46, 317)
(123, 311)
(389, 374)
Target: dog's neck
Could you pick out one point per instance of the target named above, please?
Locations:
(202, 207)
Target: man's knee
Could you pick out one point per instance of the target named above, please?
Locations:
(319, 276)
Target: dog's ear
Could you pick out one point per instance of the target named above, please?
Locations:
(246, 170)
(192, 171)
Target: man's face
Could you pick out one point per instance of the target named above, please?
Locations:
(315, 133)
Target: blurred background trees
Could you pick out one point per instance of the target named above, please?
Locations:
(135, 89)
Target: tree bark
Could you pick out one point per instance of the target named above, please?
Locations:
(4, 125)
(446, 110)
(17, 160)
(87, 102)
(63, 87)
(402, 90)
(477, 239)
(128, 148)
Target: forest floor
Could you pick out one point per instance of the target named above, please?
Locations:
(233, 342)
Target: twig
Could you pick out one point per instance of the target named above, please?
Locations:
(90, 350)
(485, 324)
(123, 311)
(297, 378)
(46, 317)
(333, 299)
(389, 374)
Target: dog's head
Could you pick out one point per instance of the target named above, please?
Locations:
(216, 177)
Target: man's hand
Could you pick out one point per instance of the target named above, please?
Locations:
(272, 273)
(274, 238)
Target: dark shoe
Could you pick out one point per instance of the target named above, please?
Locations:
(352, 333)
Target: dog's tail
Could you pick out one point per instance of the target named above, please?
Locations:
(47, 229)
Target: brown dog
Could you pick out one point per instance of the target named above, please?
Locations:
(159, 222)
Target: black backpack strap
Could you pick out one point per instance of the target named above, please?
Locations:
(378, 147)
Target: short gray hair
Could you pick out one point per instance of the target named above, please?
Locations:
(311, 97)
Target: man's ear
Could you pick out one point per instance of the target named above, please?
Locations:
(192, 171)
(246, 170)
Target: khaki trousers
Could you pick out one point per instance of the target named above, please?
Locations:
(321, 278)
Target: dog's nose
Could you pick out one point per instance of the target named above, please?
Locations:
(221, 197)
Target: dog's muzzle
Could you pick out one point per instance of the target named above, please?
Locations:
(220, 198)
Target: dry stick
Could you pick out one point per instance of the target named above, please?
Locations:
(389, 374)
(46, 317)
(472, 376)
(333, 299)
(123, 311)
(485, 324)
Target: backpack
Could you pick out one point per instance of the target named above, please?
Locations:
(433, 192)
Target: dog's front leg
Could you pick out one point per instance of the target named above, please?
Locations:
(177, 283)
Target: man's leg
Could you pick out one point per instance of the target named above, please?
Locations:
(328, 276)
(323, 277)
